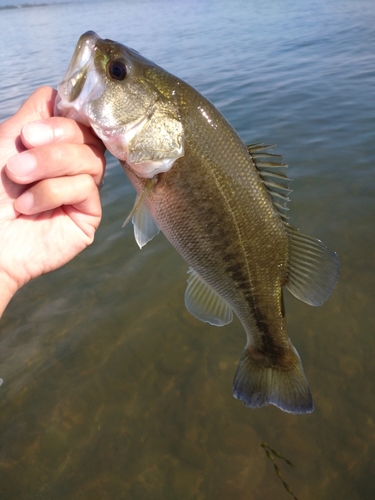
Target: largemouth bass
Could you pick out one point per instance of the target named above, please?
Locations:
(220, 203)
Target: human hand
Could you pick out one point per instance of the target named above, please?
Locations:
(50, 171)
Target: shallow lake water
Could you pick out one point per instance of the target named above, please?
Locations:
(111, 389)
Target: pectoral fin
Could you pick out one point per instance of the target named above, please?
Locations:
(313, 269)
(204, 303)
(145, 227)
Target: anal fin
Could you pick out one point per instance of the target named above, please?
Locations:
(204, 303)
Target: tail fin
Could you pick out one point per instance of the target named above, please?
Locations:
(257, 384)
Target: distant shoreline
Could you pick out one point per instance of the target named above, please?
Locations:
(30, 5)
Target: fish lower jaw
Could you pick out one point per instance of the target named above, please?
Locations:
(117, 141)
(145, 169)
(72, 113)
(73, 96)
(149, 168)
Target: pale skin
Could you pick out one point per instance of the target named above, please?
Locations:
(51, 169)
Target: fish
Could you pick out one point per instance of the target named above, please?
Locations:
(221, 203)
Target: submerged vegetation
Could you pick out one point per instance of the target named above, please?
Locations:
(271, 454)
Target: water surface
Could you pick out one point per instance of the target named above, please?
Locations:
(111, 389)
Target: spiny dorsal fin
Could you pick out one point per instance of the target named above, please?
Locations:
(273, 173)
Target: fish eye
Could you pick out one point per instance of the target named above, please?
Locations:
(116, 70)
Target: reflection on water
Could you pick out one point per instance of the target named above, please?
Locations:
(111, 389)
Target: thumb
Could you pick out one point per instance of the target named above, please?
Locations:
(36, 107)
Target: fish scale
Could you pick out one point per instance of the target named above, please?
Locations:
(220, 203)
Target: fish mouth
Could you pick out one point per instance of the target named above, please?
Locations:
(88, 95)
(81, 86)
(81, 83)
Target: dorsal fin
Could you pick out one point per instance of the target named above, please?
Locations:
(313, 269)
(273, 173)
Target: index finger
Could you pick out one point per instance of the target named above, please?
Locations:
(56, 130)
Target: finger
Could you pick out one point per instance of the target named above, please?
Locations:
(38, 106)
(78, 196)
(56, 160)
(56, 130)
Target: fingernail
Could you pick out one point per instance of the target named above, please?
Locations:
(24, 203)
(37, 133)
(22, 164)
